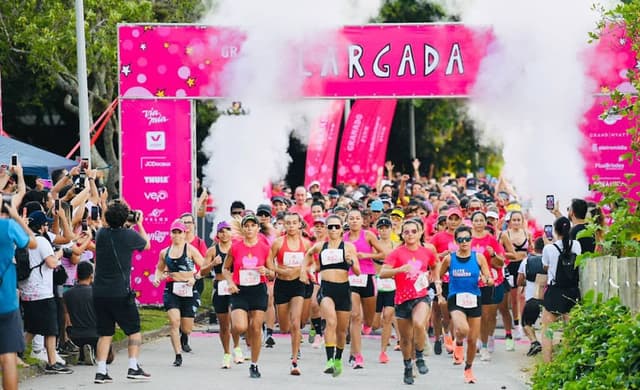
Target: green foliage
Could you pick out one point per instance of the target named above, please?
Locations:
(600, 349)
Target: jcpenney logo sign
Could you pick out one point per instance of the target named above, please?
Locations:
(156, 196)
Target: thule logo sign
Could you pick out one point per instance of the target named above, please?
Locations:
(156, 196)
(156, 179)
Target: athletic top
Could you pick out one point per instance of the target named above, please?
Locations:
(524, 247)
(288, 257)
(413, 284)
(463, 275)
(333, 258)
(247, 260)
(367, 266)
(480, 245)
(217, 269)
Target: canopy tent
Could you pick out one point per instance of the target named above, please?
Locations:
(34, 161)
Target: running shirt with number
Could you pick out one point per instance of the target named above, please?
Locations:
(444, 241)
(367, 266)
(480, 245)
(290, 257)
(247, 260)
(333, 258)
(463, 275)
(412, 284)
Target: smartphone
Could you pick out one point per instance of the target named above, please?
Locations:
(551, 202)
(84, 225)
(548, 231)
(57, 204)
(84, 164)
(14, 159)
(95, 213)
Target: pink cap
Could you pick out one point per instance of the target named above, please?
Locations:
(454, 211)
(177, 225)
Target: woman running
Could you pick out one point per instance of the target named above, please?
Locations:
(335, 259)
(315, 334)
(363, 289)
(214, 259)
(409, 265)
(176, 265)
(465, 269)
(246, 269)
(288, 290)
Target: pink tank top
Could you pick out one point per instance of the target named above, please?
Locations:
(362, 246)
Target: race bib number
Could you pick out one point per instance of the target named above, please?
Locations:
(422, 282)
(293, 259)
(358, 280)
(331, 256)
(182, 289)
(386, 284)
(223, 288)
(466, 300)
(249, 277)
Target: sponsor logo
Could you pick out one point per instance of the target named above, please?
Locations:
(154, 162)
(156, 196)
(158, 236)
(156, 179)
(155, 213)
(154, 116)
(156, 216)
(156, 140)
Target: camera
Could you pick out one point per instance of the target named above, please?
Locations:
(548, 231)
(133, 216)
(85, 227)
(95, 213)
(67, 252)
(84, 164)
(14, 159)
(80, 182)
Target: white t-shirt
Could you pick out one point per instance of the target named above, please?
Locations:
(39, 285)
(529, 287)
(550, 256)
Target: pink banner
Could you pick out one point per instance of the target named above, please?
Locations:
(374, 60)
(606, 140)
(610, 59)
(156, 166)
(321, 152)
(364, 141)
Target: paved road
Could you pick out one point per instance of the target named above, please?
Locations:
(201, 369)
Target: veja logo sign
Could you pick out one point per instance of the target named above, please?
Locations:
(156, 179)
(158, 236)
(156, 140)
(156, 196)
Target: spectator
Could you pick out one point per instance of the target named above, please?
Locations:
(577, 215)
(529, 275)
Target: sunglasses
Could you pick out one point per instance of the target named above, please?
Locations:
(176, 231)
(472, 209)
(410, 231)
(334, 227)
(461, 240)
(236, 213)
(263, 215)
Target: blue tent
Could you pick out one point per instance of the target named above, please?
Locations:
(34, 161)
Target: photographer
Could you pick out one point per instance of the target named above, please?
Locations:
(113, 298)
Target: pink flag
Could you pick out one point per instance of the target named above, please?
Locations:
(321, 152)
(364, 141)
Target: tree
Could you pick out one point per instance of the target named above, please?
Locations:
(38, 45)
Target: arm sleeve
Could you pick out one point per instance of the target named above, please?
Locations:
(18, 235)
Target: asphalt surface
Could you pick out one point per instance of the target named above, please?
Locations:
(201, 369)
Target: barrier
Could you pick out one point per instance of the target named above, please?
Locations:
(613, 277)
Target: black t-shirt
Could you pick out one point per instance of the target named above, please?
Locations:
(587, 242)
(79, 302)
(109, 280)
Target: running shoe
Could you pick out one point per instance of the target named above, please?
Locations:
(40, 355)
(383, 358)
(437, 346)
(254, 372)
(295, 370)
(337, 367)
(330, 367)
(469, 377)
(312, 335)
(509, 345)
(57, 368)
(458, 355)
(485, 356)
(352, 360)
(366, 330)
(238, 356)
(186, 348)
(317, 341)
(226, 361)
(397, 347)
(518, 332)
(178, 361)
(408, 375)
(359, 362)
(422, 366)
(69, 347)
(448, 344)
(269, 342)
(491, 346)
(535, 349)
(88, 355)
(138, 374)
(102, 378)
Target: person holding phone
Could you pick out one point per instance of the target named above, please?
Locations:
(530, 274)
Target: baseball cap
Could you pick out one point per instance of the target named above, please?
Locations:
(376, 205)
(277, 199)
(492, 214)
(249, 217)
(333, 193)
(38, 218)
(454, 211)
(313, 183)
(264, 208)
(383, 221)
(398, 213)
(222, 225)
(340, 208)
(320, 220)
(177, 225)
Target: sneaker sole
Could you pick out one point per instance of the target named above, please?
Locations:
(138, 377)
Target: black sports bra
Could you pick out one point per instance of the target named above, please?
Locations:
(333, 258)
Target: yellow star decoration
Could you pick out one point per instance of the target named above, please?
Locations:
(166, 45)
(188, 51)
(191, 81)
(160, 93)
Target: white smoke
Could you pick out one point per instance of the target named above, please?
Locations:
(532, 91)
(248, 152)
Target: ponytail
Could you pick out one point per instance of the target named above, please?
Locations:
(562, 226)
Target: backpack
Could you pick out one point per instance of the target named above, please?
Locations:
(23, 266)
(567, 274)
(533, 267)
